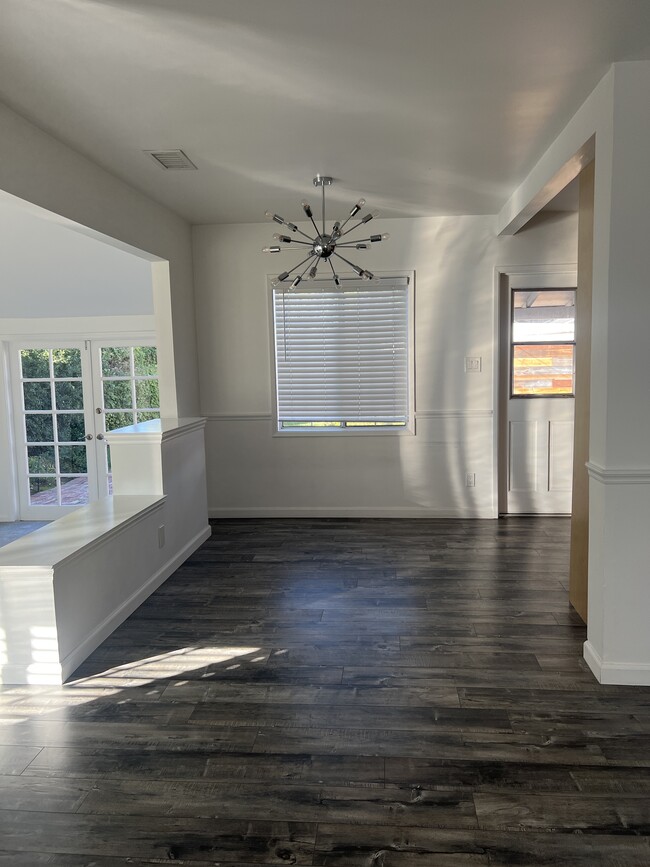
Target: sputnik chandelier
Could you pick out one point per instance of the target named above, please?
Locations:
(324, 245)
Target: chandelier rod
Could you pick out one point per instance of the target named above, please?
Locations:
(295, 268)
(358, 270)
(365, 220)
(334, 274)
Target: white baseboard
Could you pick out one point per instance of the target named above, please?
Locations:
(74, 659)
(619, 673)
(347, 512)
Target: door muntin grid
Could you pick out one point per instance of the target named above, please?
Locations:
(54, 425)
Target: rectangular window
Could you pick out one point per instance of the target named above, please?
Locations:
(543, 343)
(342, 355)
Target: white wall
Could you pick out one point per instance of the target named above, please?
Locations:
(41, 170)
(251, 472)
(617, 117)
(48, 270)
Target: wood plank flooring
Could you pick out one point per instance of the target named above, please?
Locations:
(342, 693)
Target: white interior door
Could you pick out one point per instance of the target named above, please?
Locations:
(66, 395)
(541, 401)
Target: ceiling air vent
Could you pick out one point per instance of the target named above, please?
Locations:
(172, 159)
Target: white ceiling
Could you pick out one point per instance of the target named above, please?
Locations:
(421, 106)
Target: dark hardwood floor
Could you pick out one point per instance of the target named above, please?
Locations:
(349, 693)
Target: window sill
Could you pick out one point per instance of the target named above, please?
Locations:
(346, 432)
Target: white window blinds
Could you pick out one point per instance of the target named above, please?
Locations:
(342, 353)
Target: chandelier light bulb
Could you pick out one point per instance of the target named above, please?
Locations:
(306, 207)
(295, 282)
(312, 271)
(275, 217)
(385, 236)
(271, 249)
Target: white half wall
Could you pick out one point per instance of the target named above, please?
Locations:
(68, 585)
(253, 473)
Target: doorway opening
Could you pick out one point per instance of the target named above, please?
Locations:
(536, 390)
(85, 347)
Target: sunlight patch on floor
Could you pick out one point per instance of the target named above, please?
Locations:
(175, 663)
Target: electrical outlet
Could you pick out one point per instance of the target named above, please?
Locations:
(473, 365)
(470, 480)
(161, 536)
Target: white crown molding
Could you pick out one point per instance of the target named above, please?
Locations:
(617, 476)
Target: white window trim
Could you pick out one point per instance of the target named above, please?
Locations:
(408, 429)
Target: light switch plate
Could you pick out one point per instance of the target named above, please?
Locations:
(473, 365)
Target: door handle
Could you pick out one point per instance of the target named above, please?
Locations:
(100, 436)
(89, 436)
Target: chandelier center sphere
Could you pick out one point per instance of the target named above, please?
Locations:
(324, 246)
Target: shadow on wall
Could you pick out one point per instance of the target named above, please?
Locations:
(454, 408)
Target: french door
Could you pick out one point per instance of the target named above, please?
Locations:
(67, 395)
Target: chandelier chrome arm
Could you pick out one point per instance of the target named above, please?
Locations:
(287, 240)
(353, 212)
(367, 275)
(365, 220)
(278, 219)
(282, 277)
(299, 278)
(337, 282)
(307, 209)
(373, 238)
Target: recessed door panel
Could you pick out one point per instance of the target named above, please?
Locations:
(560, 456)
(523, 456)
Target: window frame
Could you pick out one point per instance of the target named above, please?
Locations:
(406, 430)
(513, 343)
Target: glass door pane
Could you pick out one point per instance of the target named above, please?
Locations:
(127, 392)
(56, 459)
